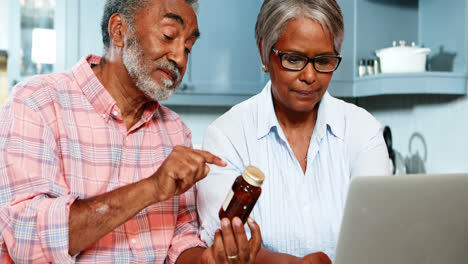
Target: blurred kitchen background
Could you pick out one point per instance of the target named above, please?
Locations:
(425, 110)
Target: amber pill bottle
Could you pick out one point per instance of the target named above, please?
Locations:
(243, 195)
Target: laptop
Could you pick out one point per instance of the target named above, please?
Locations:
(417, 219)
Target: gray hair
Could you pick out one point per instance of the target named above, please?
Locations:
(128, 9)
(276, 14)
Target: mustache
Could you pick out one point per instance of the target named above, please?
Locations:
(170, 66)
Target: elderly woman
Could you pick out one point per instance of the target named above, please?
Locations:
(308, 144)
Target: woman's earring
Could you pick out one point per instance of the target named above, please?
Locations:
(264, 69)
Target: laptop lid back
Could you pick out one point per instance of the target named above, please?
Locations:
(405, 219)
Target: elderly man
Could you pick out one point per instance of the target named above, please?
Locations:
(94, 170)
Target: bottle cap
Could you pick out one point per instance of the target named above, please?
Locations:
(253, 176)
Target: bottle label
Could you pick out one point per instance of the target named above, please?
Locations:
(228, 199)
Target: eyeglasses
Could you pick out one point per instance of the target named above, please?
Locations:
(296, 61)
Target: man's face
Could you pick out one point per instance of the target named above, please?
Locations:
(157, 48)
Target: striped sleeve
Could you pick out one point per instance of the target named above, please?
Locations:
(186, 234)
(35, 200)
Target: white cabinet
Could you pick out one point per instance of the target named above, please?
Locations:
(76, 25)
(41, 37)
(31, 38)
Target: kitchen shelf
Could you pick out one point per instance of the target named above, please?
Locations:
(381, 84)
(402, 83)
(206, 99)
(375, 24)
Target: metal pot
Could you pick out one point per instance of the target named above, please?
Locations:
(403, 58)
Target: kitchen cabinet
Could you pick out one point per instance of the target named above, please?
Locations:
(224, 66)
(53, 49)
(90, 37)
(81, 30)
(32, 33)
(374, 24)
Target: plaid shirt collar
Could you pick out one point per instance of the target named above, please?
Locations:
(97, 94)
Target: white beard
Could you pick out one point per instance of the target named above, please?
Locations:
(140, 72)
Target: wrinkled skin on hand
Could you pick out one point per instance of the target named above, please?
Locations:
(181, 170)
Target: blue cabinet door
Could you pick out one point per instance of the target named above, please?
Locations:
(90, 41)
(225, 66)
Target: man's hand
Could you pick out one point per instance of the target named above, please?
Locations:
(181, 170)
(314, 258)
(231, 244)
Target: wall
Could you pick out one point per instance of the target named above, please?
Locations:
(441, 120)
(198, 119)
(3, 24)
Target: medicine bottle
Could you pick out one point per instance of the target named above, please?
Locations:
(243, 195)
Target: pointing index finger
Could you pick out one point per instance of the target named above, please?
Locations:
(211, 159)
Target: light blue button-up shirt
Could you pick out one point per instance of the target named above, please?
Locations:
(298, 213)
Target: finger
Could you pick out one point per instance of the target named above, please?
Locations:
(191, 169)
(199, 172)
(202, 172)
(219, 253)
(210, 158)
(242, 241)
(230, 244)
(256, 238)
(197, 160)
(207, 170)
(184, 178)
(197, 165)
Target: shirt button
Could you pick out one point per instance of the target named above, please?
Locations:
(306, 209)
(115, 113)
(103, 115)
(133, 241)
(126, 139)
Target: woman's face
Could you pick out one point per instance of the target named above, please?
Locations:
(300, 91)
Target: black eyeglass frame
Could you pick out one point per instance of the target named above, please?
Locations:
(281, 54)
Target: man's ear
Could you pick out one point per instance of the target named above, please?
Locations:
(117, 29)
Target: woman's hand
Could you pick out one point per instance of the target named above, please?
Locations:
(314, 258)
(231, 244)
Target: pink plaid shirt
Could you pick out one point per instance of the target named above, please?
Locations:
(62, 137)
